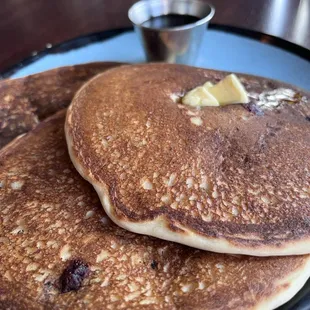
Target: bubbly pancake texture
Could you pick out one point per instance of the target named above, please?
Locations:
(59, 250)
(231, 179)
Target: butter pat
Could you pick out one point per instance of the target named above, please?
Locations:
(229, 91)
(200, 97)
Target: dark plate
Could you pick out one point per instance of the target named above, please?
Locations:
(104, 35)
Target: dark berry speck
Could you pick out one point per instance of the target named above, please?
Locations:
(73, 276)
(154, 264)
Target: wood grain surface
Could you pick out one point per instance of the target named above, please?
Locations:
(29, 25)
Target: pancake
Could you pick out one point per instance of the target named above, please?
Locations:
(26, 101)
(59, 250)
(231, 179)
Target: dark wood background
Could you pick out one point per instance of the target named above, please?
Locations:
(28, 25)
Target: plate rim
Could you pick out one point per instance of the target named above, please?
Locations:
(99, 36)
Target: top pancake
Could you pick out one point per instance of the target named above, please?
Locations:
(26, 101)
(238, 183)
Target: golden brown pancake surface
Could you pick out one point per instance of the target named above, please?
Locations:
(237, 183)
(59, 250)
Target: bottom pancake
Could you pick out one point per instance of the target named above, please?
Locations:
(58, 249)
(27, 100)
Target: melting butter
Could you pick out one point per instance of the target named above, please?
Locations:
(228, 91)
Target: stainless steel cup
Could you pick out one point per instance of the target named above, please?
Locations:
(177, 44)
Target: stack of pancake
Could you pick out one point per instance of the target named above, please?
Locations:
(173, 213)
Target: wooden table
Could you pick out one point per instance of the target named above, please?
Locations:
(29, 25)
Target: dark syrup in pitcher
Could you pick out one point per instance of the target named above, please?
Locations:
(169, 21)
